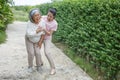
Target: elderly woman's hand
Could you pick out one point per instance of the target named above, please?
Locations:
(39, 30)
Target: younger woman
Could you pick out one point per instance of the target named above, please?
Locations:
(51, 26)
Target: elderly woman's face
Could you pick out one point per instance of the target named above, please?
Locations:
(36, 17)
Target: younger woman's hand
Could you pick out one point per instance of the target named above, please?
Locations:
(44, 30)
(40, 44)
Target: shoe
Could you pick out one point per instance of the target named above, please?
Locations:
(41, 64)
(52, 72)
(30, 69)
(39, 69)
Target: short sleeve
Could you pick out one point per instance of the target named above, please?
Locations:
(54, 28)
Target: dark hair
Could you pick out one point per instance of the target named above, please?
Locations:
(53, 11)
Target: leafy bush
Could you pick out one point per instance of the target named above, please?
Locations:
(23, 8)
(91, 28)
(6, 15)
(21, 12)
(2, 36)
(20, 15)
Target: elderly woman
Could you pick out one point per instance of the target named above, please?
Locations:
(33, 38)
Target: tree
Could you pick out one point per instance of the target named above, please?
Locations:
(6, 14)
(56, 0)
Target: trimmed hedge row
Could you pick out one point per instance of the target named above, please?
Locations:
(6, 15)
(23, 8)
(92, 29)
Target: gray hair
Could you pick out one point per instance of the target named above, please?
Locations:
(32, 12)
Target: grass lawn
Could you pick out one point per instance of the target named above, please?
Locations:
(2, 36)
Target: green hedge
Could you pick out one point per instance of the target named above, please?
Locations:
(91, 28)
(23, 8)
(6, 15)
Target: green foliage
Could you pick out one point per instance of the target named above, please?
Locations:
(86, 66)
(91, 28)
(21, 12)
(56, 0)
(6, 15)
(2, 36)
(20, 15)
(26, 9)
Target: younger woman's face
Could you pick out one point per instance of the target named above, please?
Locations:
(36, 17)
(50, 16)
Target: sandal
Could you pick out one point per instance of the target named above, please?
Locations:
(52, 72)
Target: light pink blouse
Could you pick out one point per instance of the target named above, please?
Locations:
(50, 26)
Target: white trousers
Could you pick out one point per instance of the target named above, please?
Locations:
(33, 50)
(47, 53)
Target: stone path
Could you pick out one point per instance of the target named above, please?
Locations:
(13, 60)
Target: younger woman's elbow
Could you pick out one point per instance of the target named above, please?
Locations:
(48, 34)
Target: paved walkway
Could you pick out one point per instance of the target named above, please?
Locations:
(13, 60)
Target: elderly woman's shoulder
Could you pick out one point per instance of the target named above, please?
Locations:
(29, 23)
(42, 21)
(44, 17)
(55, 22)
